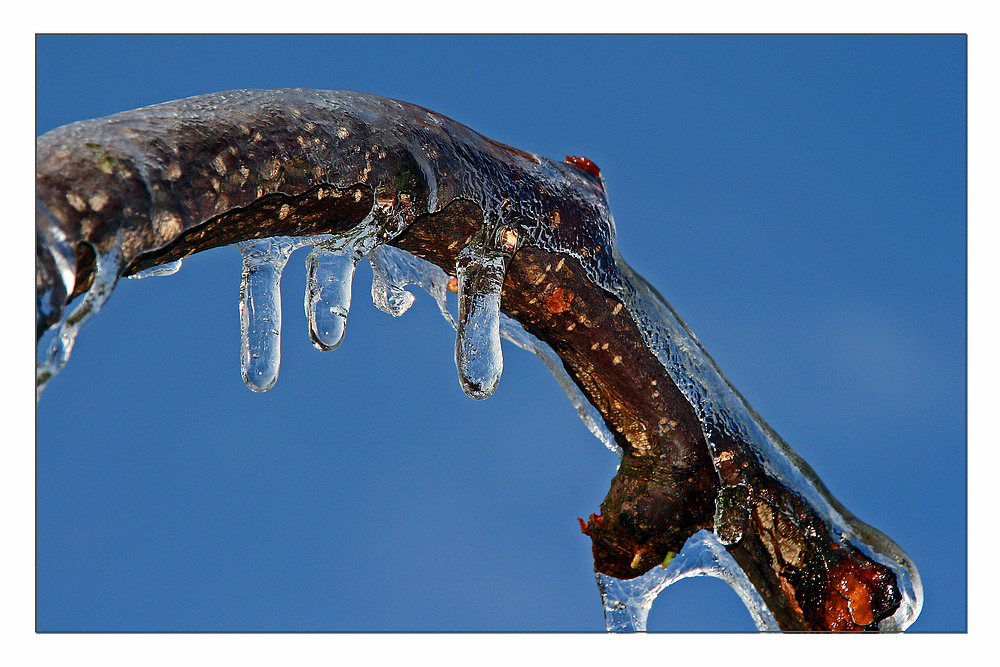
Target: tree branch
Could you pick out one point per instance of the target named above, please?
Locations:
(152, 186)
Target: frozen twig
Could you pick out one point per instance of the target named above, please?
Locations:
(525, 236)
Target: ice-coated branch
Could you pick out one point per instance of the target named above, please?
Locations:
(704, 485)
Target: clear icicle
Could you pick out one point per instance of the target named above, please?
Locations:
(389, 276)
(61, 339)
(627, 602)
(477, 348)
(329, 274)
(393, 269)
(167, 269)
(260, 309)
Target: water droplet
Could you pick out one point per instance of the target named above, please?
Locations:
(260, 309)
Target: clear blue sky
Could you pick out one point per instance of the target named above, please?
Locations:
(800, 201)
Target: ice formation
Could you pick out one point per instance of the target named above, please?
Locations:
(260, 310)
(57, 344)
(477, 349)
(170, 168)
(627, 602)
(167, 269)
(328, 295)
(726, 416)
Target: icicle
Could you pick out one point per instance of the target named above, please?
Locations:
(388, 280)
(396, 269)
(61, 339)
(167, 269)
(329, 274)
(627, 602)
(260, 309)
(59, 248)
(477, 349)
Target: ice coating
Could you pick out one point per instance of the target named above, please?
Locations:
(328, 294)
(627, 602)
(167, 269)
(135, 190)
(725, 414)
(171, 167)
(58, 344)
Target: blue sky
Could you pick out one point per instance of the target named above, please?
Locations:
(799, 200)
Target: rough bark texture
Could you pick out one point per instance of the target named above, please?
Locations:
(165, 189)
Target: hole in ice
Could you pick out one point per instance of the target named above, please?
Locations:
(699, 604)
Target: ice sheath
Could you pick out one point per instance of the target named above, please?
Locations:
(704, 485)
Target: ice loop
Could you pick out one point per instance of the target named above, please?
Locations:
(627, 602)
(704, 486)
